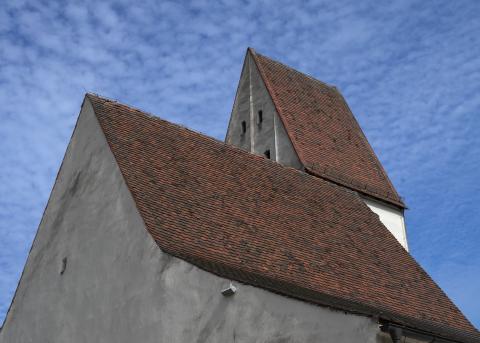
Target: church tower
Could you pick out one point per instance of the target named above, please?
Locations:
(300, 122)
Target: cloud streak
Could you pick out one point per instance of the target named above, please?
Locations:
(409, 70)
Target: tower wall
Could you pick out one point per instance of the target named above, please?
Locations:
(264, 128)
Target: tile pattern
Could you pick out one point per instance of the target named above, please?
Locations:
(250, 219)
(324, 132)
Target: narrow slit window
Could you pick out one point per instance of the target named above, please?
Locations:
(260, 117)
(63, 266)
(244, 127)
(267, 153)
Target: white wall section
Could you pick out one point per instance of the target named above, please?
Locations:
(392, 218)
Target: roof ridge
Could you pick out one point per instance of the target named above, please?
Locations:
(156, 117)
(205, 136)
(323, 83)
(137, 109)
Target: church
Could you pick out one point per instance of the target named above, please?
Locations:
(288, 231)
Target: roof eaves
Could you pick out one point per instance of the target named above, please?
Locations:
(363, 189)
(293, 291)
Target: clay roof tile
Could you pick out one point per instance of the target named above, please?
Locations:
(249, 219)
(325, 134)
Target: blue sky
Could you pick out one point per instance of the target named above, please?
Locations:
(410, 71)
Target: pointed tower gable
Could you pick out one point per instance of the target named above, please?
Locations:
(254, 123)
(325, 134)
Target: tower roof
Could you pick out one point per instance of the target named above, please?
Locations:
(250, 219)
(326, 136)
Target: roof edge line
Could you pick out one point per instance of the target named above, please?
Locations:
(254, 279)
(356, 189)
(420, 333)
(384, 172)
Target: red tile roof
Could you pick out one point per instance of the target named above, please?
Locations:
(250, 219)
(324, 132)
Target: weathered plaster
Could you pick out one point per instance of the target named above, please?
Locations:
(118, 286)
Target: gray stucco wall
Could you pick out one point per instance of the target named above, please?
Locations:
(263, 133)
(286, 154)
(270, 134)
(241, 112)
(118, 286)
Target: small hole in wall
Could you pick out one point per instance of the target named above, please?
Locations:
(260, 117)
(244, 127)
(267, 153)
(64, 266)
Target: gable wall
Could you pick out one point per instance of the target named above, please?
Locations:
(263, 133)
(118, 286)
(268, 135)
(91, 221)
(241, 112)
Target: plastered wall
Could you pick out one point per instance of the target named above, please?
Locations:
(118, 286)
